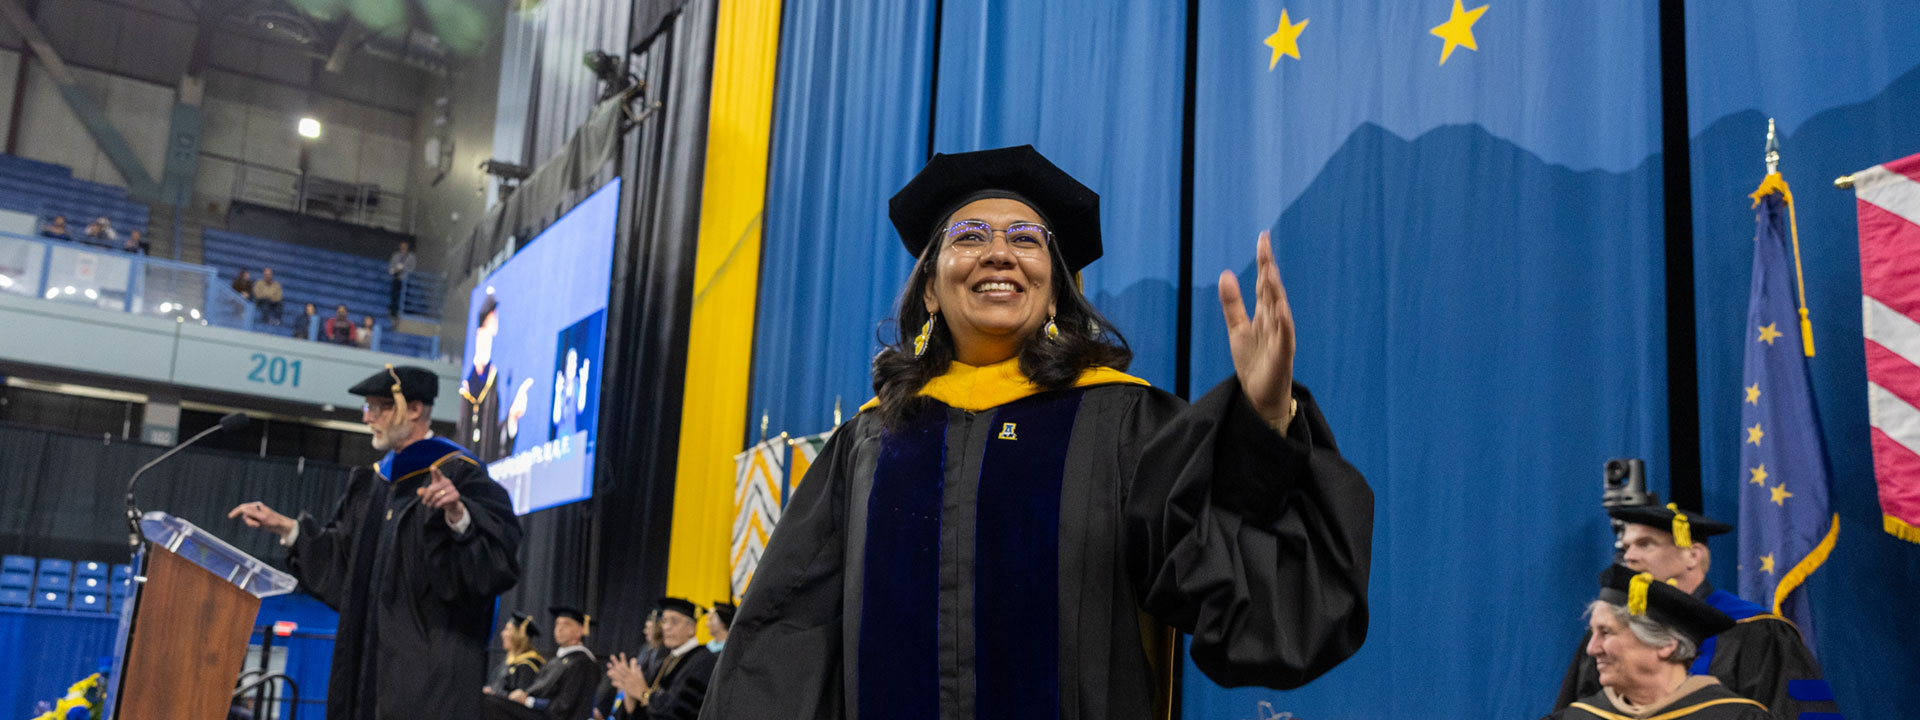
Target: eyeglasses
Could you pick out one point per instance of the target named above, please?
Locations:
(974, 237)
(376, 409)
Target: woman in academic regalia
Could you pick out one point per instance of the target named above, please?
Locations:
(523, 662)
(1644, 635)
(1005, 530)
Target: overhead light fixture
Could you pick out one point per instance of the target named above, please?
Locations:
(309, 128)
(6, 282)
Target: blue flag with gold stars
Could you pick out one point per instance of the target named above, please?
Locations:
(1786, 526)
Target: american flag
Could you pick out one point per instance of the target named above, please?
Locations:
(1889, 207)
(1786, 526)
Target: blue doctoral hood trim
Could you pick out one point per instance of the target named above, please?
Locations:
(1735, 607)
(415, 459)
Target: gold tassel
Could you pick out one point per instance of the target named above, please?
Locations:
(1637, 593)
(1682, 530)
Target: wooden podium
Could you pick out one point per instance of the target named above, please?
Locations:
(184, 630)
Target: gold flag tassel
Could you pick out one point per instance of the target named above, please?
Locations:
(1775, 183)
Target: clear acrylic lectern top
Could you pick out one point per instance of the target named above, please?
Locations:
(204, 549)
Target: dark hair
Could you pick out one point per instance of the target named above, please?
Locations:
(1086, 340)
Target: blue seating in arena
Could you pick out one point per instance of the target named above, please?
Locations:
(327, 278)
(56, 584)
(91, 602)
(53, 581)
(46, 189)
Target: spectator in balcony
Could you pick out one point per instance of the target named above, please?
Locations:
(243, 284)
(101, 231)
(303, 329)
(136, 243)
(267, 297)
(56, 228)
(399, 267)
(339, 328)
(363, 335)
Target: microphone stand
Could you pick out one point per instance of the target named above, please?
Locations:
(228, 422)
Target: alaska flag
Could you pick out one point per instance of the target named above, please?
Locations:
(1786, 526)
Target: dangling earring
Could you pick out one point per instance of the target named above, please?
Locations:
(1053, 331)
(926, 332)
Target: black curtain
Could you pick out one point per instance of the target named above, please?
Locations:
(61, 494)
(664, 159)
(610, 553)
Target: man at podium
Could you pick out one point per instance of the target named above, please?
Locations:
(412, 559)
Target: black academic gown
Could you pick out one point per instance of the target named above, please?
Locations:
(1713, 702)
(1761, 657)
(415, 599)
(998, 563)
(482, 425)
(516, 675)
(683, 688)
(564, 691)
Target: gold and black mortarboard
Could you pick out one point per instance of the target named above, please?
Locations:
(417, 384)
(1685, 526)
(1662, 603)
(1068, 208)
(526, 624)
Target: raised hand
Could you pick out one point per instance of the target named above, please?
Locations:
(258, 515)
(1262, 345)
(441, 495)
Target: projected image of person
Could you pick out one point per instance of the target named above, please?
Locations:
(576, 384)
(490, 431)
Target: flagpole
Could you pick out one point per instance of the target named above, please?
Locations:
(1773, 175)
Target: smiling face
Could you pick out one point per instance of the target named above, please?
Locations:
(1626, 664)
(992, 290)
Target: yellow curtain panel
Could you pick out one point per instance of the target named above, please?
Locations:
(726, 278)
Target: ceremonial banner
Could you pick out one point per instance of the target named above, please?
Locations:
(1786, 526)
(757, 498)
(805, 450)
(1889, 209)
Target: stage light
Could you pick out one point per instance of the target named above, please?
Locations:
(92, 294)
(6, 282)
(69, 290)
(195, 313)
(309, 128)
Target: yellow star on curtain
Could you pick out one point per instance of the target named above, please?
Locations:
(1754, 434)
(1286, 40)
(1768, 332)
(1759, 475)
(1766, 563)
(1753, 394)
(1780, 495)
(1458, 30)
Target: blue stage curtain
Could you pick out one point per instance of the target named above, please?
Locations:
(1473, 249)
(1096, 86)
(1841, 80)
(850, 127)
(49, 651)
